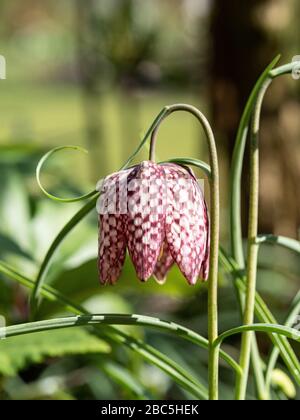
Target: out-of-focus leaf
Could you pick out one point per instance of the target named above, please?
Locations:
(18, 352)
(82, 282)
(49, 219)
(125, 379)
(281, 380)
(14, 153)
(9, 246)
(15, 211)
(45, 388)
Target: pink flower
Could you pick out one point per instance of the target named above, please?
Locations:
(159, 213)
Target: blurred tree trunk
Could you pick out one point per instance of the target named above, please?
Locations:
(90, 74)
(246, 35)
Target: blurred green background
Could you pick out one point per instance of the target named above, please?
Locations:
(95, 73)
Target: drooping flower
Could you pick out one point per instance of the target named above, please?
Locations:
(159, 214)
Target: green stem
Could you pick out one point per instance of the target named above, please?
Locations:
(236, 172)
(235, 208)
(283, 241)
(258, 364)
(264, 314)
(214, 250)
(270, 329)
(255, 356)
(104, 319)
(112, 334)
(237, 166)
(84, 211)
(192, 162)
(40, 167)
(138, 320)
(241, 385)
(94, 320)
(238, 157)
(213, 321)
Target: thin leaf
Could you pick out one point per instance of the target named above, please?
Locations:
(54, 295)
(146, 351)
(192, 162)
(289, 243)
(40, 167)
(237, 165)
(264, 315)
(288, 332)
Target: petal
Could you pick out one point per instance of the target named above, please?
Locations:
(204, 273)
(112, 222)
(163, 265)
(113, 189)
(186, 228)
(145, 219)
(112, 247)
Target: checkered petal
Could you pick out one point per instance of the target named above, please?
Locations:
(159, 213)
(112, 221)
(112, 247)
(145, 219)
(185, 225)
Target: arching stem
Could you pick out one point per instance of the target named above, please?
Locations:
(215, 216)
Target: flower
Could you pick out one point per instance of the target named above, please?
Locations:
(158, 212)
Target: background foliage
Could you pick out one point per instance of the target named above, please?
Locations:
(97, 77)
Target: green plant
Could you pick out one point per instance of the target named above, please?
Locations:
(243, 274)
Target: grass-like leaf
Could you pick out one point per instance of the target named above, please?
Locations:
(237, 166)
(288, 332)
(147, 352)
(264, 315)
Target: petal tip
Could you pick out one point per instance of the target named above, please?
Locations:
(160, 280)
(192, 281)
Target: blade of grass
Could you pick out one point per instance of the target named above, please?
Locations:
(237, 162)
(54, 295)
(264, 315)
(235, 215)
(40, 167)
(270, 329)
(192, 162)
(85, 320)
(237, 166)
(136, 320)
(146, 351)
(252, 246)
(238, 156)
(283, 241)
